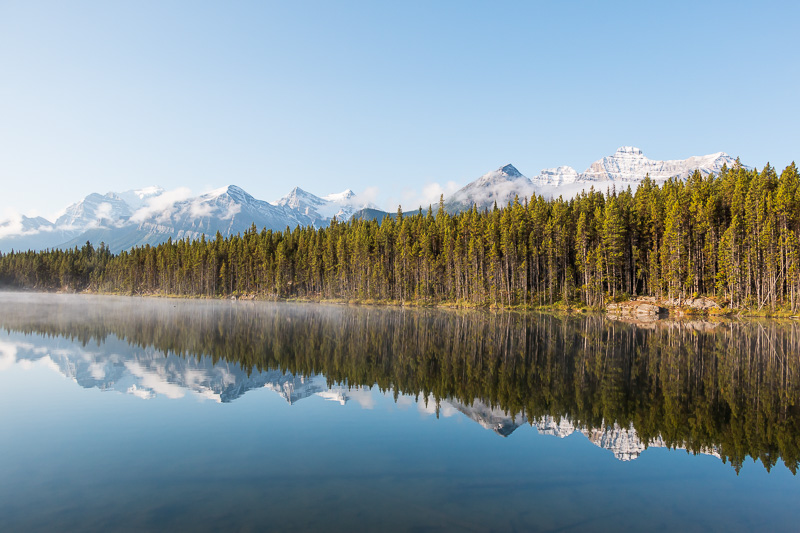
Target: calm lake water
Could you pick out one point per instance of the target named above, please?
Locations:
(131, 414)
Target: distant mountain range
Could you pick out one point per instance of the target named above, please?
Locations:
(152, 215)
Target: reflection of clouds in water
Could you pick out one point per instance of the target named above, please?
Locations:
(154, 381)
(427, 406)
(405, 402)
(139, 392)
(97, 370)
(363, 397)
(8, 355)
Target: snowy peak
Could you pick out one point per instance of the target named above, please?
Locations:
(499, 186)
(557, 176)
(151, 215)
(503, 174)
(510, 171)
(627, 167)
(628, 151)
(94, 211)
(630, 164)
(322, 210)
(300, 199)
(340, 196)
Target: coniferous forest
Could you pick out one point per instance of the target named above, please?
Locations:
(732, 236)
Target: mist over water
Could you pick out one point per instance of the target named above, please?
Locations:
(152, 413)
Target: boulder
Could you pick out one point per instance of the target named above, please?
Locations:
(635, 308)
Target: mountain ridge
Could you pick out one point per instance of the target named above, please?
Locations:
(150, 215)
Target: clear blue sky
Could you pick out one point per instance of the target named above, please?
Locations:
(99, 96)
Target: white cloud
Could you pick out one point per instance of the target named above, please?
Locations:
(411, 199)
(144, 394)
(161, 203)
(151, 380)
(363, 397)
(103, 211)
(233, 210)
(8, 355)
(199, 208)
(11, 224)
(427, 406)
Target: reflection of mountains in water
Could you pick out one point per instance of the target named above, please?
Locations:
(148, 373)
(730, 388)
(624, 443)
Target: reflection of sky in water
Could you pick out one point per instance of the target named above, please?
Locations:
(214, 448)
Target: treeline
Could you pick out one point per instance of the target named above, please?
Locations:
(734, 236)
(732, 387)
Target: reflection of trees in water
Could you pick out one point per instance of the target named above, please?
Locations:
(733, 386)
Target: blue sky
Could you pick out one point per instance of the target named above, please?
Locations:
(392, 98)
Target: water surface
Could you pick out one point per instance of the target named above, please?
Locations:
(131, 414)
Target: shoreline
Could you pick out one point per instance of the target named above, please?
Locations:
(668, 313)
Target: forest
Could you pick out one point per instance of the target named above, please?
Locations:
(731, 236)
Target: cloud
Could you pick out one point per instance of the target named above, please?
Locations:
(501, 192)
(8, 355)
(199, 208)
(144, 394)
(151, 380)
(11, 224)
(161, 203)
(411, 199)
(233, 210)
(427, 406)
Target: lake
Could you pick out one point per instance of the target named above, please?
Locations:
(159, 414)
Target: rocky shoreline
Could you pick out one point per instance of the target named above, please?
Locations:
(654, 308)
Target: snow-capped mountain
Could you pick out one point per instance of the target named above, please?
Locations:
(630, 164)
(627, 167)
(322, 210)
(21, 233)
(151, 216)
(624, 443)
(95, 211)
(498, 186)
(228, 210)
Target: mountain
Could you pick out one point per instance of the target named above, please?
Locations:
(150, 215)
(21, 233)
(228, 210)
(624, 443)
(321, 210)
(627, 167)
(630, 164)
(499, 186)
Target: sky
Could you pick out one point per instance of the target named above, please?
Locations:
(397, 101)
